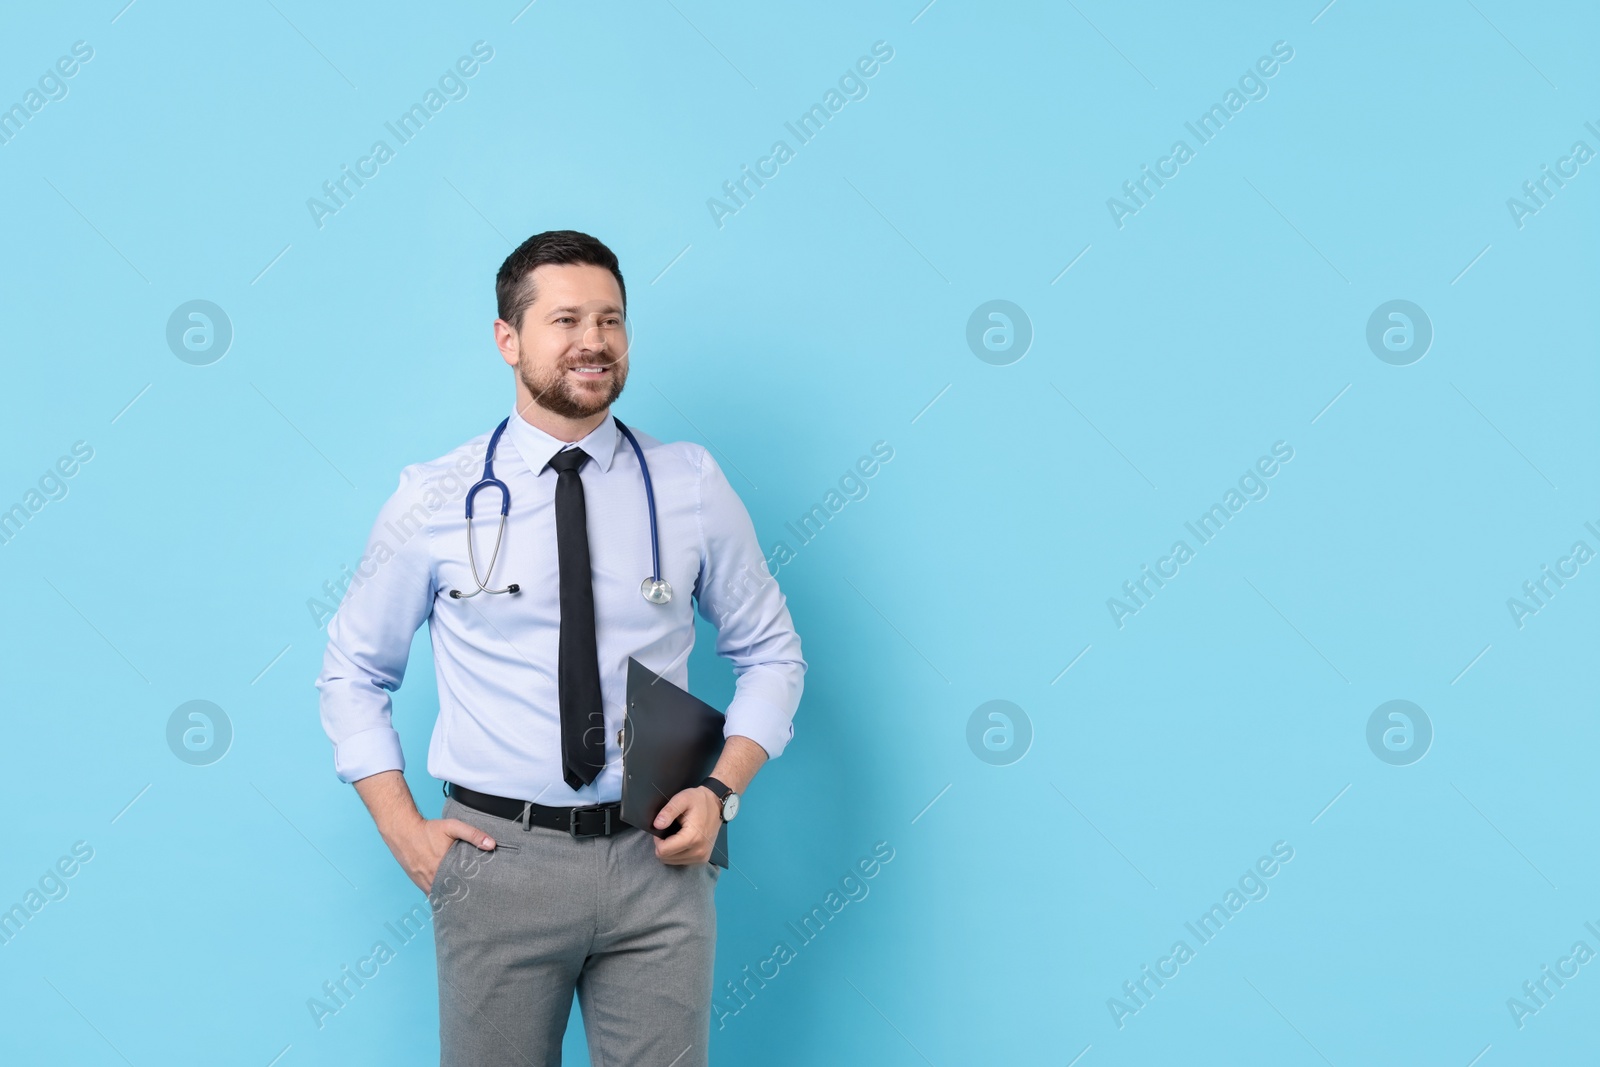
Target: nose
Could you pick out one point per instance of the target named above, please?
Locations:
(612, 338)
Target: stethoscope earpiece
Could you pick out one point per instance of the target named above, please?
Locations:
(655, 589)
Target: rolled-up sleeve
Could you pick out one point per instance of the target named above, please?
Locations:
(369, 637)
(735, 592)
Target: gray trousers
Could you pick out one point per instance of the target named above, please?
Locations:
(519, 929)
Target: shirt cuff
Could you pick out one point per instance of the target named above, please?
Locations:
(765, 724)
(367, 753)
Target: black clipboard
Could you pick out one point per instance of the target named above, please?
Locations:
(670, 741)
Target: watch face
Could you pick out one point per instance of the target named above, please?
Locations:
(730, 807)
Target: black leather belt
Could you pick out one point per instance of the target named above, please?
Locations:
(595, 820)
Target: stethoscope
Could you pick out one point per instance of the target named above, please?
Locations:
(654, 588)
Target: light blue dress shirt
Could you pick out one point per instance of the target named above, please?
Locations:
(495, 656)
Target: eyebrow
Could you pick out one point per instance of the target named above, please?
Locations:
(608, 307)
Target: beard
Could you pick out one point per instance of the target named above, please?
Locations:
(559, 393)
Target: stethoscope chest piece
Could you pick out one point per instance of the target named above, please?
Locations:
(656, 590)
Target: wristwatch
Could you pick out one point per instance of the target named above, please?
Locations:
(730, 799)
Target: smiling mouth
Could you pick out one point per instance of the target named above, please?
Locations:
(590, 372)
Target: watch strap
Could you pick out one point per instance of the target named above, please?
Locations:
(717, 787)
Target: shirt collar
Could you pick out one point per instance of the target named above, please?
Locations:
(537, 447)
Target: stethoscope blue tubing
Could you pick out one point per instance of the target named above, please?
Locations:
(489, 479)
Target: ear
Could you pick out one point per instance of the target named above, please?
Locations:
(507, 341)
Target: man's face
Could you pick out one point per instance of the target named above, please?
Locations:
(572, 351)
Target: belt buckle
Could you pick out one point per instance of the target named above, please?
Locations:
(572, 820)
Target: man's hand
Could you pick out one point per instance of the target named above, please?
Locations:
(419, 844)
(699, 808)
(701, 814)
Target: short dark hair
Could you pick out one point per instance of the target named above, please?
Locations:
(513, 286)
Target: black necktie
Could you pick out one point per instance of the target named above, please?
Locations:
(583, 733)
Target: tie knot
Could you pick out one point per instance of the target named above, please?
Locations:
(569, 459)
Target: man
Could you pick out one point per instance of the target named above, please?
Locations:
(531, 631)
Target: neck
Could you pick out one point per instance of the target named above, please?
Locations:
(558, 426)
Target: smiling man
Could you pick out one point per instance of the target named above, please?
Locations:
(533, 607)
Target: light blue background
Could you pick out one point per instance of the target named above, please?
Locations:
(1227, 315)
